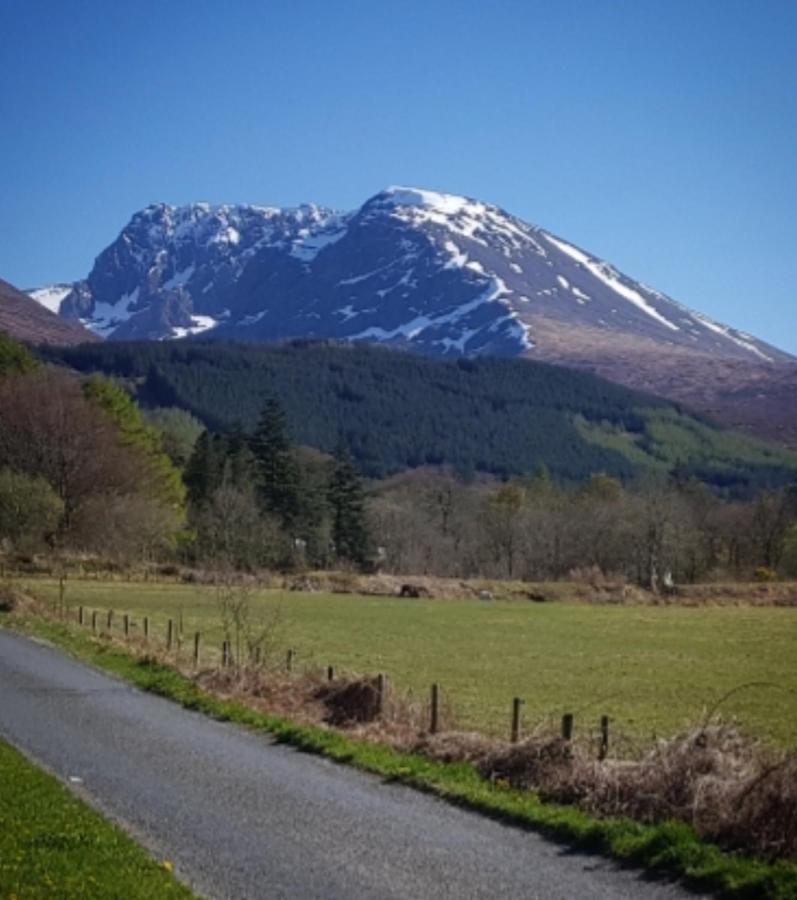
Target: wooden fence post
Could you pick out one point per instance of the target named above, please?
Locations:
(289, 661)
(169, 634)
(110, 619)
(604, 745)
(435, 710)
(197, 642)
(381, 690)
(225, 654)
(515, 733)
(330, 673)
(146, 628)
(94, 621)
(126, 625)
(567, 726)
(80, 615)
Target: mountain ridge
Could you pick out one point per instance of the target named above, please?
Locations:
(440, 274)
(471, 277)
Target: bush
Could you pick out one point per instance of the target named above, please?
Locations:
(30, 510)
(764, 574)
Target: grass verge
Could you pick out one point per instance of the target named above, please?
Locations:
(670, 848)
(53, 845)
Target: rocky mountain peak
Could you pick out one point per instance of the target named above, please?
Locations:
(437, 272)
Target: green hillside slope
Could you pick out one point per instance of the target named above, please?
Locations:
(396, 410)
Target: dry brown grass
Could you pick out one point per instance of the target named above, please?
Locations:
(778, 593)
(727, 786)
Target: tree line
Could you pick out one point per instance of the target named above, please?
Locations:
(84, 469)
(533, 528)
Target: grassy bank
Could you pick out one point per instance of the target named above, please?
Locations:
(669, 847)
(53, 845)
(652, 670)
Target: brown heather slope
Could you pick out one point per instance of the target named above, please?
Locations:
(756, 397)
(25, 320)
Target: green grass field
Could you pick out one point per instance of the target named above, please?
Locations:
(653, 670)
(53, 845)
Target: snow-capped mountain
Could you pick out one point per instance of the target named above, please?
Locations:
(439, 273)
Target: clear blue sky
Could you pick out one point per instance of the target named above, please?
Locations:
(659, 134)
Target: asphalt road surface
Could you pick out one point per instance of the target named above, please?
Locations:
(241, 817)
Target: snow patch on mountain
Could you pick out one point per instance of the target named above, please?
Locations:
(179, 278)
(580, 295)
(729, 333)
(198, 325)
(309, 243)
(430, 326)
(50, 297)
(611, 278)
(106, 317)
(458, 257)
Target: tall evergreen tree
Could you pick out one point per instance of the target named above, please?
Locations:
(205, 469)
(239, 465)
(277, 472)
(347, 506)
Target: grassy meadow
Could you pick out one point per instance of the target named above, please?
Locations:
(653, 670)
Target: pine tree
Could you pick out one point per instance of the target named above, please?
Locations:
(239, 466)
(347, 505)
(205, 468)
(277, 472)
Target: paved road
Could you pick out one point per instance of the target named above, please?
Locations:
(245, 818)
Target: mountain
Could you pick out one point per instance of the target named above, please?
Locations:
(441, 274)
(27, 321)
(398, 410)
(445, 274)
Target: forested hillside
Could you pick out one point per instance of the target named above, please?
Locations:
(394, 410)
